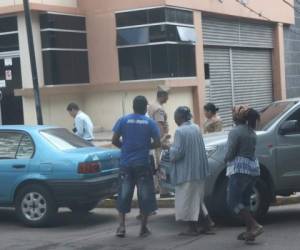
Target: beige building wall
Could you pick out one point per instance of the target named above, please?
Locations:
(106, 108)
(65, 3)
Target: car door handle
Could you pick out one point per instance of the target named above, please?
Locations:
(19, 166)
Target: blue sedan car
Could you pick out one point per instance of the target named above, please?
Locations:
(43, 168)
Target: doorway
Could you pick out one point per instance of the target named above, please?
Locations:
(11, 79)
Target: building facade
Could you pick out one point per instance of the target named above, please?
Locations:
(101, 54)
(292, 54)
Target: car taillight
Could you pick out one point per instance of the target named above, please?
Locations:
(89, 167)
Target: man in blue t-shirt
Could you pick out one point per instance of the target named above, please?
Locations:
(139, 134)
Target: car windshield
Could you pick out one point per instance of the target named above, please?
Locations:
(272, 112)
(63, 139)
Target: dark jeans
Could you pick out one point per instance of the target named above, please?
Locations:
(142, 178)
(239, 190)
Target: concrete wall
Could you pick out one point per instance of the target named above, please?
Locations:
(65, 3)
(292, 56)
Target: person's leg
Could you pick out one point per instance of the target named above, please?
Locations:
(146, 197)
(253, 227)
(205, 221)
(187, 206)
(125, 194)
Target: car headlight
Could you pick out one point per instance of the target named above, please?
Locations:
(210, 150)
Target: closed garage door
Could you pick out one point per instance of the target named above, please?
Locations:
(252, 77)
(238, 55)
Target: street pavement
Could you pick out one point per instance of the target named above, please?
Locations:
(96, 231)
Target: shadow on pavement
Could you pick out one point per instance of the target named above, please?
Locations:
(65, 218)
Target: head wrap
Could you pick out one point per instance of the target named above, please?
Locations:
(184, 112)
(240, 112)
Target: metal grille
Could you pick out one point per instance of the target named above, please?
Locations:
(220, 90)
(252, 77)
(237, 33)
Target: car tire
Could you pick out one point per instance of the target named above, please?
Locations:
(260, 202)
(35, 206)
(84, 207)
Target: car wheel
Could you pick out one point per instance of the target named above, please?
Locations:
(259, 201)
(35, 205)
(84, 207)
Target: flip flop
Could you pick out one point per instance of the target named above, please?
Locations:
(121, 232)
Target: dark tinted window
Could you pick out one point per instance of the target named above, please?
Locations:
(179, 16)
(159, 61)
(63, 139)
(133, 36)
(8, 24)
(65, 67)
(52, 39)
(15, 145)
(132, 18)
(159, 33)
(182, 60)
(135, 63)
(206, 71)
(157, 15)
(62, 22)
(9, 42)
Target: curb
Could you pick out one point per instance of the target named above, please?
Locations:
(169, 203)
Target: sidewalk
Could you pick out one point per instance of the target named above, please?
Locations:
(169, 203)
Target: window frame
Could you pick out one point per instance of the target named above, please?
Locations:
(23, 133)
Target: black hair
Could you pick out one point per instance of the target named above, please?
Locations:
(162, 93)
(184, 112)
(140, 105)
(72, 106)
(210, 107)
(252, 117)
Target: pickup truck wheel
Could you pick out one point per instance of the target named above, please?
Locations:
(35, 205)
(259, 201)
(83, 208)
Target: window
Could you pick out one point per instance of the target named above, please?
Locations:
(26, 148)
(153, 34)
(8, 24)
(132, 18)
(65, 22)
(9, 42)
(272, 112)
(15, 146)
(55, 39)
(157, 61)
(179, 16)
(65, 67)
(133, 36)
(65, 56)
(156, 15)
(63, 139)
(135, 63)
(206, 71)
(182, 60)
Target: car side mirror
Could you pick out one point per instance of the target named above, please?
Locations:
(289, 127)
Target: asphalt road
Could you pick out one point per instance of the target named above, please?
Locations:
(96, 231)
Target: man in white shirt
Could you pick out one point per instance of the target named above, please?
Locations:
(82, 122)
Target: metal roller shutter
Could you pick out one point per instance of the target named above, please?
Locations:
(252, 77)
(220, 90)
(236, 33)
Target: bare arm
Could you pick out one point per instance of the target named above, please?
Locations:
(116, 140)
